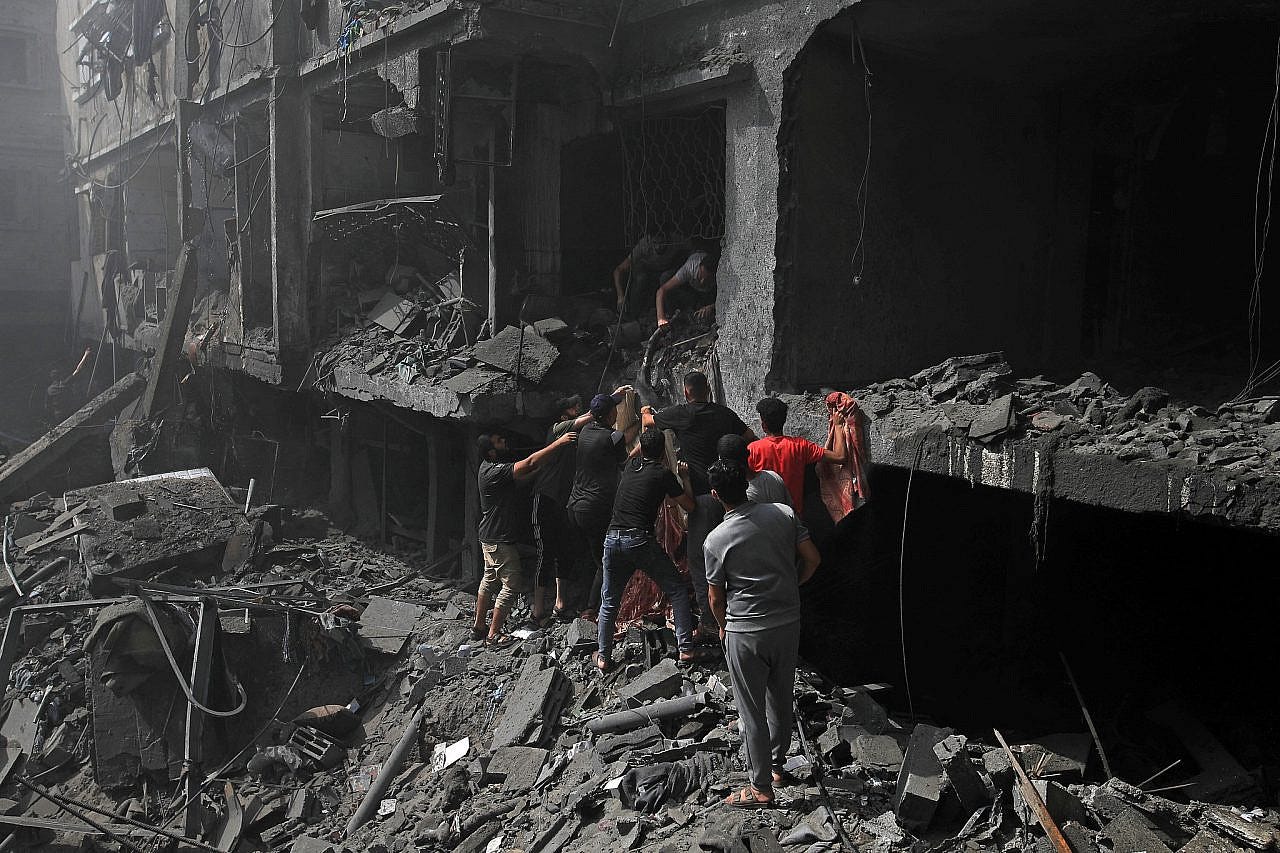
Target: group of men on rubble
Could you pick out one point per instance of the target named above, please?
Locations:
(598, 503)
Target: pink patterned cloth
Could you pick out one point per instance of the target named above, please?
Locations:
(845, 487)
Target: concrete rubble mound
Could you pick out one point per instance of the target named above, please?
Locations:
(269, 690)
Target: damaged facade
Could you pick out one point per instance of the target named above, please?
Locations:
(340, 238)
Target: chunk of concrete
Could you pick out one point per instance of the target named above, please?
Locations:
(834, 747)
(517, 767)
(662, 681)
(307, 844)
(1062, 756)
(1063, 805)
(1130, 832)
(862, 710)
(582, 637)
(1080, 837)
(952, 753)
(1205, 841)
(999, 768)
(878, 753)
(920, 781)
(994, 419)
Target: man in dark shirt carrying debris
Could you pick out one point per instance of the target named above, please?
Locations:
(499, 531)
(755, 596)
(629, 545)
(699, 425)
(600, 454)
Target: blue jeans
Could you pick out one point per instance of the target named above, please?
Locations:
(624, 552)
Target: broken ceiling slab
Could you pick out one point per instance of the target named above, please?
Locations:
(522, 352)
(395, 313)
(387, 624)
(194, 519)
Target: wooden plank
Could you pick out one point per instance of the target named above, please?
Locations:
(1032, 797)
(52, 527)
(75, 528)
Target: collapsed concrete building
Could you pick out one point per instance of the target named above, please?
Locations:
(368, 194)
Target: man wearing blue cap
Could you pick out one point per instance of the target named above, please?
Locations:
(600, 453)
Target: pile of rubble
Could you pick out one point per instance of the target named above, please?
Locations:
(981, 398)
(288, 691)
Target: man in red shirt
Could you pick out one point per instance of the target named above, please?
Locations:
(788, 455)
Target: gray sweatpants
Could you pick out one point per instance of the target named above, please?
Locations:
(762, 666)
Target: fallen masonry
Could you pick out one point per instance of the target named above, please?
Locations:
(336, 702)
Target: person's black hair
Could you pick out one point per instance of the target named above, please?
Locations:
(696, 382)
(653, 443)
(732, 448)
(729, 481)
(773, 414)
(484, 444)
(710, 262)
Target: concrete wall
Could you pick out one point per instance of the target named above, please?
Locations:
(976, 218)
(34, 245)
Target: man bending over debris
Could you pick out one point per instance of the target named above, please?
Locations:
(789, 454)
(699, 424)
(693, 286)
(629, 545)
(755, 596)
(499, 503)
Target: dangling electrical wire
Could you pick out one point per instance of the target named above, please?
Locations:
(860, 200)
(1260, 237)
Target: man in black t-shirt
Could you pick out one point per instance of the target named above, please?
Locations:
(500, 530)
(629, 545)
(699, 425)
(600, 453)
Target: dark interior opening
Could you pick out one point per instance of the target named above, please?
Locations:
(1146, 609)
(1080, 201)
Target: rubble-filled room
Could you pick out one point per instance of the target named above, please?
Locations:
(1016, 181)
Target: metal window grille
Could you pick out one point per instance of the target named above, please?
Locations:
(675, 175)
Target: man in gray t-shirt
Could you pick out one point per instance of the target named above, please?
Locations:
(754, 590)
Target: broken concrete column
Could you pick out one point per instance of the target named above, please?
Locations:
(919, 788)
(953, 754)
(878, 753)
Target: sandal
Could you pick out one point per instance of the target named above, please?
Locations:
(499, 642)
(699, 654)
(478, 635)
(602, 663)
(748, 798)
(563, 614)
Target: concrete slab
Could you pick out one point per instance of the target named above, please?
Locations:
(526, 702)
(387, 624)
(196, 520)
(520, 352)
(1207, 842)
